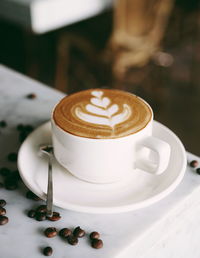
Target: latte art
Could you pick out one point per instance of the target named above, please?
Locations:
(102, 113)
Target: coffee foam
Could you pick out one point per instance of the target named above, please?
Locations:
(102, 113)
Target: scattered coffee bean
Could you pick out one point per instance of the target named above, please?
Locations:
(97, 243)
(47, 251)
(40, 216)
(22, 136)
(198, 171)
(11, 183)
(72, 240)
(15, 174)
(31, 96)
(2, 203)
(65, 232)
(5, 171)
(2, 211)
(94, 235)
(25, 128)
(194, 163)
(50, 232)
(78, 232)
(56, 216)
(12, 156)
(31, 214)
(3, 220)
(3, 123)
(20, 127)
(32, 196)
(41, 208)
(28, 128)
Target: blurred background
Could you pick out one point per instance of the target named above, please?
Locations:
(148, 47)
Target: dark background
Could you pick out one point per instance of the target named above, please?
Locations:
(72, 57)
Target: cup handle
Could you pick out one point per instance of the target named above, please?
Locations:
(162, 151)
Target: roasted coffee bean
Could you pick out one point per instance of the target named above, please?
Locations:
(2, 203)
(94, 235)
(40, 216)
(31, 214)
(72, 240)
(41, 208)
(78, 232)
(2, 211)
(5, 171)
(56, 216)
(47, 251)
(20, 127)
(198, 171)
(194, 163)
(97, 243)
(31, 96)
(65, 232)
(22, 136)
(15, 174)
(32, 196)
(28, 128)
(25, 128)
(12, 156)
(3, 220)
(50, 232)
(3, 123)
(11, 183)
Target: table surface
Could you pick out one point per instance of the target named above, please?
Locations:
(45, 15)
(127, 235)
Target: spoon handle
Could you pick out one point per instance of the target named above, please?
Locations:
(50, 190)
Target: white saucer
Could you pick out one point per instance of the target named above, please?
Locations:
(138, 191)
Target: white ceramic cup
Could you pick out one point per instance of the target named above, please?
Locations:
(110, 160)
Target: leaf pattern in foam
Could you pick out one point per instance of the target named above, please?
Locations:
(100, 102)
(99, 111)
(97, 93)
(102, 112)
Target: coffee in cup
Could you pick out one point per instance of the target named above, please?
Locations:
(102, 135)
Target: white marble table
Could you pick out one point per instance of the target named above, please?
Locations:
(168, 229)
(44, 15)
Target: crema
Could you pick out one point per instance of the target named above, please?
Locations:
(102, 113)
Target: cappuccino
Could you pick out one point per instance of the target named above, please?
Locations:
(102, 113)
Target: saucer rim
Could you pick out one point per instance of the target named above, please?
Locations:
(105, 209)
